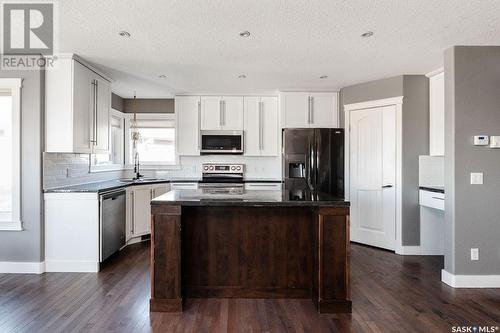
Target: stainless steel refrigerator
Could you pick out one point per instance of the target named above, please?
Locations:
(313, 160)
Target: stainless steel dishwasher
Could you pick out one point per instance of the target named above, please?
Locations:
(112, 222)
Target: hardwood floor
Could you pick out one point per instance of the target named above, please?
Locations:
(390, 293)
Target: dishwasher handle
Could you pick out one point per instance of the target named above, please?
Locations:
(113, 195)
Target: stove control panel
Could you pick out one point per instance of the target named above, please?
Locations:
(222, 168)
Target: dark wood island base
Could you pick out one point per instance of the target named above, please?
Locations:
(250, 251)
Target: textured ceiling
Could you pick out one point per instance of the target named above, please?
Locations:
(196, 44)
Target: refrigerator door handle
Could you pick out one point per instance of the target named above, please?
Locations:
(310, 181)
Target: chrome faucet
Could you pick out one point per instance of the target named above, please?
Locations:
(137, 167)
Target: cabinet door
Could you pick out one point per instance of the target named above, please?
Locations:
(101, 122)
(252, 136)
(324, 110)
(211, 112)
(232, 113)
(129, 226)
(158, 190)
(295, 110)
(83, 106)
(269, 127)
(187, 111)
(142, 210)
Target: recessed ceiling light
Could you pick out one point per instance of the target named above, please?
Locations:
(124, 33)
(323, 77)
(245, 34)
(242, 76)
(162, 76)
(367, 34)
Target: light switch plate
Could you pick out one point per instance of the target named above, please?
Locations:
(474, 254)
(476, 178)
(481, 140)
(494, 141)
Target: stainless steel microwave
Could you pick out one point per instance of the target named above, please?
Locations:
(221, 142)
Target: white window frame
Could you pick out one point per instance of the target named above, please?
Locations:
(12, 221)
(149, 166)
(113, 167)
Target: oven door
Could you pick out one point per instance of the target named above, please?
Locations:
(221, 142)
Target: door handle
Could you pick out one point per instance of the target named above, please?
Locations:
(386, 186)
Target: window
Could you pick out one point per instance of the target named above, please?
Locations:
(156, 145)
(115, 160)
(6, 149)
(10, 168)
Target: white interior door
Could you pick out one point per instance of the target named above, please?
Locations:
(373, 176)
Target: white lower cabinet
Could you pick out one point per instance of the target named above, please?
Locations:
(184, 186)
(139, 208)
(263, 186)
(71, 232)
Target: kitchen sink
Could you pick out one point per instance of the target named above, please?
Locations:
(141, 180)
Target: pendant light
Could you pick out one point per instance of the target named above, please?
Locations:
(136, 135)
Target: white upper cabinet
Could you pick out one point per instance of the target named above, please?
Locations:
(188, 113)
(78, 103)
(221, 113)
(324, 110)
(436, 111)
(232, 113)
(295, 110)
(261, 126)
(309, 110)
(211, 112)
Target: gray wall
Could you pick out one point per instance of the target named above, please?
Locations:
(415, 143)
(415, 89)
(472, 75)
(27, 245)
(117, 102)
(368, 91)
(145, 105)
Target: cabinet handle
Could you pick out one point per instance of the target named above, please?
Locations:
(386, 186)
(96, 111)
(93, 139)
(220, 113)
(223, 113)
(438, 198)
(311, 110)
(261, 108)
(199, 125)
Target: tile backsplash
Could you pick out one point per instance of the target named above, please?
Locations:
(63, 169)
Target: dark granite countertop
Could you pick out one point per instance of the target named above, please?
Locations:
(249, 198)
(109, 185)
(101, 186)
(436, 189)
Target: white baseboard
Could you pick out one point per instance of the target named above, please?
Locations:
(71, 266)
(470, 281)
(20, 267)
(409, 250)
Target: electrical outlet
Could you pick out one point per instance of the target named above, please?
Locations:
(476, 178)
(474, 254)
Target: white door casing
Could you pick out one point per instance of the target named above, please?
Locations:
(373, 131)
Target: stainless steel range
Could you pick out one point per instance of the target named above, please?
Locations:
(222, 178)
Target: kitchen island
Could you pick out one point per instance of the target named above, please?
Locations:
(258, 244)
